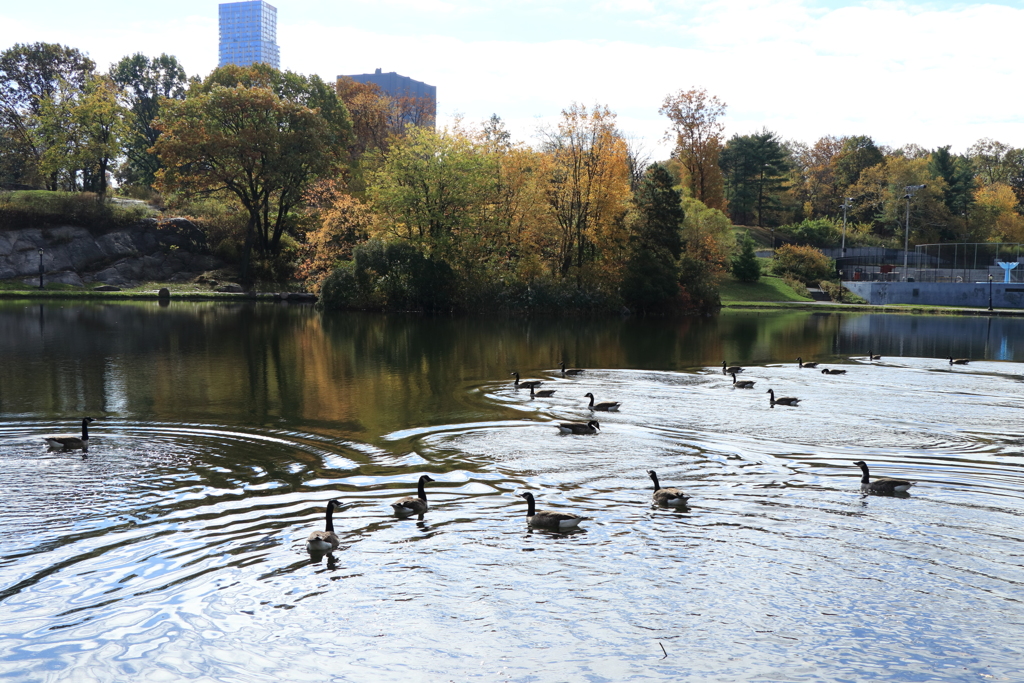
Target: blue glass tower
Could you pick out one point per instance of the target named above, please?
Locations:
(248, 34)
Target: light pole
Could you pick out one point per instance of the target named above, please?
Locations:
(846, 205)
(911, 189)
(990, 291)
(40, 267)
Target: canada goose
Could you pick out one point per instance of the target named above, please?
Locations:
(607, 405)
(731, 370)
(805, 365)
(837, 371)
(67, 442)
(785, 400)
(743, 383)
(959, 361)
(871, 356)
(543, 393)
(408, 506)
(579, 427)
(667, 496)
(571, 372)
(326, 540)
(884, 485)
(553, 521)
(526, 383)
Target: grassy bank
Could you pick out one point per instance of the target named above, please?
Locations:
(772, 289)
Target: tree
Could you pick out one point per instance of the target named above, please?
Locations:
(588, 189)
(694, 117)
(821, 190)
(143, 83)
(857, 154)
(755, 167)
(253, 144)
(651, 280)
(434, 189)
(31, 75)
(958, 194)
(745, 266)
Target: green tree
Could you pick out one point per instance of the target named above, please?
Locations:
(651, 279)
(857, 153)
(755, 168)
(956, 170)
(143, 83)
(745, 266)
(31, 76)
(254, 145)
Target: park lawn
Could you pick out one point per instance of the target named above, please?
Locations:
(766, 289)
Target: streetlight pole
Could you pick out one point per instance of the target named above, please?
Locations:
(846, 205)
(40, 267)
(990, 291)
(911, 189)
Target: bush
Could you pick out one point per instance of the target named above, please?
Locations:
(836, 292)
(699, 285)
(816, 232)
(42, 208)
(806, 264)
(797, 286)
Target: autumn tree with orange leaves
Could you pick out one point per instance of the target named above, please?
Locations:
(695, 125)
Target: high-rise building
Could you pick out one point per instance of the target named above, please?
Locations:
(395, 85)
(248, 34)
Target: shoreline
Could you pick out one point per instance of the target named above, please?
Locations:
(305, 298)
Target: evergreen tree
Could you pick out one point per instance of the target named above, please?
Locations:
(745, 265)
(755, 168)
(958, 196)
(651, 281)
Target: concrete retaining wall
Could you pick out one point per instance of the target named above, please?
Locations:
(966, 294)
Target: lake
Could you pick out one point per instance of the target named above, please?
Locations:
(176, 549)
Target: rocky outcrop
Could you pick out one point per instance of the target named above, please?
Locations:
(161, 251)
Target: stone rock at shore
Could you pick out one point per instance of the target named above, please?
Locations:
(150, 250)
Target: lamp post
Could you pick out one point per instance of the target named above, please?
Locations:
(846, 205)
(911, 189)
(40, 267)
(990, 291)
(773, 242)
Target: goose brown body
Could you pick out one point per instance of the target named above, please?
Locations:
(326, 540)
(668, 496)
(543, 393)
(782, 400)
(552, 521)
(70, 442)
(526, 383)
(730, 370)
(871, 356)
(835, 371)
(743, 383)
(884, 486)
(413, 505)
(805, 365)
(959, 361)
(579, 427)
(607, 405)
(571, 372)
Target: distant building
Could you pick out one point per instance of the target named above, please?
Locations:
(248, 34)
(397, 86)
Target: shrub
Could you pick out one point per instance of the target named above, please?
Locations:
(816, 232)
(805, 264)
(797, 286)
(836, 292)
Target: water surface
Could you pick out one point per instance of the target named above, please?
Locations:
(175, 550)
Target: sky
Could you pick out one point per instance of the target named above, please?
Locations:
(932, 74)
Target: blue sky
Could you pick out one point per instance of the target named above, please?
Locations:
(902, 72)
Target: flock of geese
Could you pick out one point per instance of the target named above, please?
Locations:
(327, 540)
